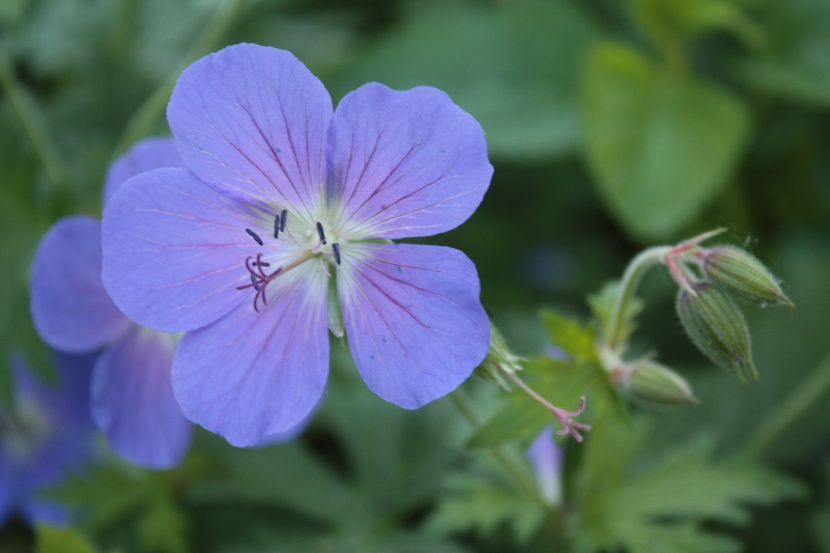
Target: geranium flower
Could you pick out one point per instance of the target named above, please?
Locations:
(132, 397)
(46, 434)
(281, 229)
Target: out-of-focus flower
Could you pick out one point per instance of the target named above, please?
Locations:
(47, 433)
(546, 458)
(281, 228)
(132, 398)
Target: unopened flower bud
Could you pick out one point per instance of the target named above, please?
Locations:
(740, 273)
(717, 328)
(654, 385)
(499, 362)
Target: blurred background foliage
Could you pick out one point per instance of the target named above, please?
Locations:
(612, 126)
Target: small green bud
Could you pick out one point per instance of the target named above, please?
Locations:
(654, 385)
(717, 328)
(499, 362)
(741, 274)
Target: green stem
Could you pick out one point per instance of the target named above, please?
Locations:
(153, 108)
(631, 278)
(788, 411)
(32, 121)
(503, 455)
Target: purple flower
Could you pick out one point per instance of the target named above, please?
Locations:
(132, 398)
(46, 434)
(280, 228)
(546, 458)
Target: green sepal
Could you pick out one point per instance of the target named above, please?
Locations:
(741, 274)
(717, 327)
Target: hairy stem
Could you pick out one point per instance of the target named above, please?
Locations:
(631, 278)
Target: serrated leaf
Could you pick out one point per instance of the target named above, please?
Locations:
(396, 457)
(108, 493)
(660, 145)
(111, 494)
(571, 335)
(513, 66)
(664, 504)
(287, 475)
(483, 506)
(50, 539)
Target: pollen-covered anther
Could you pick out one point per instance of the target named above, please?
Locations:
(320, 233)
(335, 249)
(254, 235)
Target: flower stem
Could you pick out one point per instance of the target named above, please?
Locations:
(503, 455)
(569, 426)
(153, 107)
(794, 405)
(631, 278)
(32, 122)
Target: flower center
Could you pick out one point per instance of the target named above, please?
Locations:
(309, 242)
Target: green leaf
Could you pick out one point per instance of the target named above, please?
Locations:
(571, 335)
(663, 505)
(483, 506)
(396, 457)
(512, 65)
(11, 11)
(796, 64)
(111, 494)
(287, 475)
(162, 526)
(821, 529)
(50, 539)
(688, 19)
(660, 145)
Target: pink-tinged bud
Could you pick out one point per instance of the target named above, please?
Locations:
(654, 385)
(740, 273)
(717, 328)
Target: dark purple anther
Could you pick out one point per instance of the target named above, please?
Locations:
(320, 233)
(277, 226)
(254, 235)
(283, 219)
(335, 248)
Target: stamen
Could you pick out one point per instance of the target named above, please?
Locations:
(254, 235)
(335, 248)
(320, 233)
(283, 219)
(261, 264)
(277, 226)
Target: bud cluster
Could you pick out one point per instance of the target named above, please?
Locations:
(709, 280)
